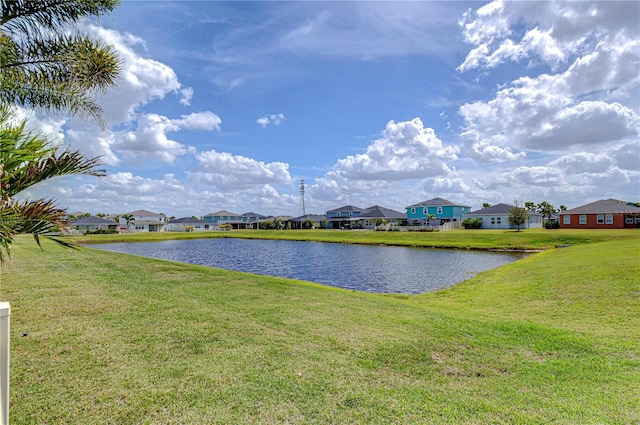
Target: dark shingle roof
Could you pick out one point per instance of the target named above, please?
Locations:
(436, 202)
(381, 212)
(187, 220)
(92, 220)
(311, 217)
(605, 206)
(347, 208)
(498, 209)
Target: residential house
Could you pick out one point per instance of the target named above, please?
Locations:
(315, 221)
(340, 218)
(440, 209)
(143, 221)
(217, 219)
(187, 224)
(253, 220)
(497, 217)
(372, 215)
(93, 223)
(603, 214)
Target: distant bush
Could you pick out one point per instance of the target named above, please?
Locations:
(551, 224)
(101, 232)
(472, 223)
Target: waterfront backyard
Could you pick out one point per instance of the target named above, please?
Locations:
(101, 337)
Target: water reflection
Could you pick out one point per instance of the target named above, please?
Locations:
(381, 269)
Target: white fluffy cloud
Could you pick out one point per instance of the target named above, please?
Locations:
(596, 54)
(150, 138)
(273, 119)
(226, 171)
(406, 150)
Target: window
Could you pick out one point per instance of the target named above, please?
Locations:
(566, 219)
(439, 210)
(600, 219)
(609, 219)
(496, 220)
(413, 210)
(425, 211)
(628, 219)
(583, 219)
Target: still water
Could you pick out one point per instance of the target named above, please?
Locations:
(381, 269)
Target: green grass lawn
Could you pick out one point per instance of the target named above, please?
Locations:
(101, 337)
(534, 239)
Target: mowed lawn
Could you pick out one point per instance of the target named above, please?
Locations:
(106, 338)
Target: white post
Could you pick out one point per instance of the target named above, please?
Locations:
(5, 313)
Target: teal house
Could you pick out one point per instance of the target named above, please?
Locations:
(237, 221)
(436, 211)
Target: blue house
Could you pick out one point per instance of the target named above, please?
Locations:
(340, 218)
(440, 209)
(237, 221)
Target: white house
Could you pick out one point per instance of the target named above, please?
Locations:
(497, 217)
(143, 221)
(92, 223)
(187, 224)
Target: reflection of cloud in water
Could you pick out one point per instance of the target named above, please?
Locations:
(381, 269)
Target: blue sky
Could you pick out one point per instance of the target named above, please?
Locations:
(228, 105)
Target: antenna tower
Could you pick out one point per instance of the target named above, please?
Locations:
(302, 210)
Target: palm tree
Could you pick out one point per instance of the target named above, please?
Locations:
(28, 158)
(129, 220)
(45, 66)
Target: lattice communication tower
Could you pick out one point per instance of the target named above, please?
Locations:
(302, 209)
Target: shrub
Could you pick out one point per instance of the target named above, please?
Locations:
(472, 223)
(551, 224)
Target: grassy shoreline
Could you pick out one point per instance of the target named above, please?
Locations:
(495, 240)
(112, 338)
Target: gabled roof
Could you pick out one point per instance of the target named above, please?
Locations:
(92, 220)
(605, 206)
(347, 208)
(144, 213)
(498, 209)
(252, 214)
(187, 220)
(437, 202)
(381, 212)
(310, 217)
(223, 213)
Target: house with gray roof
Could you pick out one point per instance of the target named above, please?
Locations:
(187, 224)
(92, 223)
(497, 217)
(373, 215)
(603, 214)
(315, 221)
(143, 221)
(340, 218)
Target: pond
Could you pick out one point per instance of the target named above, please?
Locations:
(380, 269)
